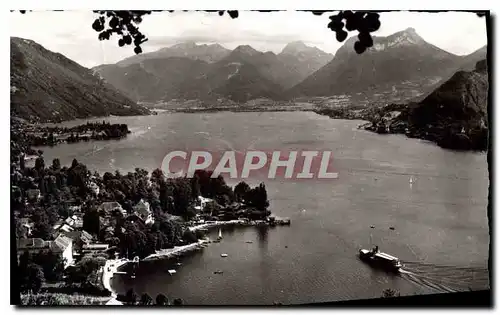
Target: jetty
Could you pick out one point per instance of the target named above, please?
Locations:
(176, 251)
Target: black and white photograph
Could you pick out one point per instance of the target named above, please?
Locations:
(250, 157)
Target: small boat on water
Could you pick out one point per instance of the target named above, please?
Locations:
(218, 272)
(220, 235)
(381, 260)
(172, 271)
(223, 255)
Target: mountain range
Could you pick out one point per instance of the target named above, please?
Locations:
(47, 86)
(211, 71)
(401, 63)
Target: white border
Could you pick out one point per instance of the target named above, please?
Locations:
(198, 4)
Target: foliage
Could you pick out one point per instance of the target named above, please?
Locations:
(61, 299)
(130, 297)
(161, 299)
(145, 299)
(178, 301)
(85, 272)
(34, 269)
(389, 293)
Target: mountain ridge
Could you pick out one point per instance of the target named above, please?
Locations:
(48, 86)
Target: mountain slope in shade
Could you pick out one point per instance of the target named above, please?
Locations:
(394, 62)
(469, 61)
(208, 53)
(48, 86)
(239, 81)
(153, 80)
(302, 60)
(455, 115)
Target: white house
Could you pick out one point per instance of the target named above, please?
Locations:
(203, 202)
(95, 189)
(63, 245)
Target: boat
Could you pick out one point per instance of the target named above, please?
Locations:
(379, 259)
(172, 271)
(218, 272)
(220, 235)
(223, 255)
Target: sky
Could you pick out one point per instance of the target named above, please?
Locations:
(70, 32)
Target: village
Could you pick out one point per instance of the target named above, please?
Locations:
(75, 228)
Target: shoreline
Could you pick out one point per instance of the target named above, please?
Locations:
(113, 265)
(110, 267)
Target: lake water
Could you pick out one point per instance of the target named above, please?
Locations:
(440, 221)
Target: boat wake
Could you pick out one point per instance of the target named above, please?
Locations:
(445, 278)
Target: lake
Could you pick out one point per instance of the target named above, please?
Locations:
(440, 221)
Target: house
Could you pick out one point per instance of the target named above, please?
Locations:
(33, 195)
(60, 227)
(75, 209)
(63, 245)
(109, 207)
(26, 227)
(202, 202)
(74, 221)
(93, 248)
(95, 189)
(143, 211)
(80, 238)
(31, 245)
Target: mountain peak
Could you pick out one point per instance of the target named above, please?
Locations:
(245, 49)
(408, 35)
(185, 45)
(294, 47)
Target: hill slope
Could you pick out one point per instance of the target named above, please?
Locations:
(153, 80)
(50, 87)
(302, 61)
(455, 115)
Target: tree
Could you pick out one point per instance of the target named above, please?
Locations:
(189, 236)
(34, 277)
(240, 191)
(161, 299)
(130, 297)
(56, 164)
(178, 301)
(52, 265)
(41, 227)
(22, 163)
(257, 197)
(389, 293)
(145, 299)
(39, 164)
(91, 222)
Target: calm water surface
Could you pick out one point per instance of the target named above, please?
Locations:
(440, 221)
